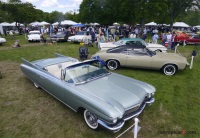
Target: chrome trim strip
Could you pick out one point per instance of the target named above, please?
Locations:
(114, 128)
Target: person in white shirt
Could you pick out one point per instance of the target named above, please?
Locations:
(136, 31)
(155, 38)
(132, 35)
(169, 40)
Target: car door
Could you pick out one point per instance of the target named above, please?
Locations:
(192, 39)
(51, 84)
(138, 58)
(197, 38)
(62, 90)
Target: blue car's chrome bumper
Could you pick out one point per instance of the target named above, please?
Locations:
(116, 127)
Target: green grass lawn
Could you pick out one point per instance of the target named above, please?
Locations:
(29, 112)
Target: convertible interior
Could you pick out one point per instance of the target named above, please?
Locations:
(77, 72)
(55, 69)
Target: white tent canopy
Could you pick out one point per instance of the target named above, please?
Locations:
(125, 25)
(68, 22)
(5, 24)
(180, 24)
(96, 24)
(56, 23)
(116, 23)
(39, 23)
(151, 24)
(44, 23)
(198, 26)
(35, 23)
(14, 24)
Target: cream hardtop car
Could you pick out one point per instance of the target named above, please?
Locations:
(142, 57)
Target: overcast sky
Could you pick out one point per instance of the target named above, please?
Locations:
(58, 5)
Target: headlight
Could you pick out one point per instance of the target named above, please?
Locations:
(149, 95)
(114, 120)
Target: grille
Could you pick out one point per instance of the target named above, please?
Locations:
(130, 111)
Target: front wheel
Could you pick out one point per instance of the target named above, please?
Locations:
(91, 120)
(169, 69)
(112, 64)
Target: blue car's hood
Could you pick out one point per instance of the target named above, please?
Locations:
(120, 91)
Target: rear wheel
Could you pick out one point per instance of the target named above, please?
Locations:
(158, 50)
(169, 69)
(112, 64)
(91, 120)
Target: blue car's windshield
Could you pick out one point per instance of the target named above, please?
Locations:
(84, 73)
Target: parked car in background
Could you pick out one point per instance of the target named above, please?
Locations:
(34, 36)
(2, 40)
(193, 39)
(81, 36)
(181, 37)
(61, 36)
(105, 98)
(142, 57)
(133, 41)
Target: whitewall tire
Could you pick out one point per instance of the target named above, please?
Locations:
(91, 120)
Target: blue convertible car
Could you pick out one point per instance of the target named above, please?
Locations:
(105, 98)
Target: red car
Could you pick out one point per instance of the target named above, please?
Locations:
(193, 39)
(181, 37)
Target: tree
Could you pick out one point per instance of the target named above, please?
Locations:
(90, 11)
(19, 12)
(177, 7)
(56, 16)
(71, 15)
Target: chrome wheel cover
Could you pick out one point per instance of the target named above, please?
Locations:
(169, 70)
(90, 119)
(112, 64)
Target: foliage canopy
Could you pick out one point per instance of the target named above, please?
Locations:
(107, 12)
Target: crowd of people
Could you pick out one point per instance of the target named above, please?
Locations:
(103, 34)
